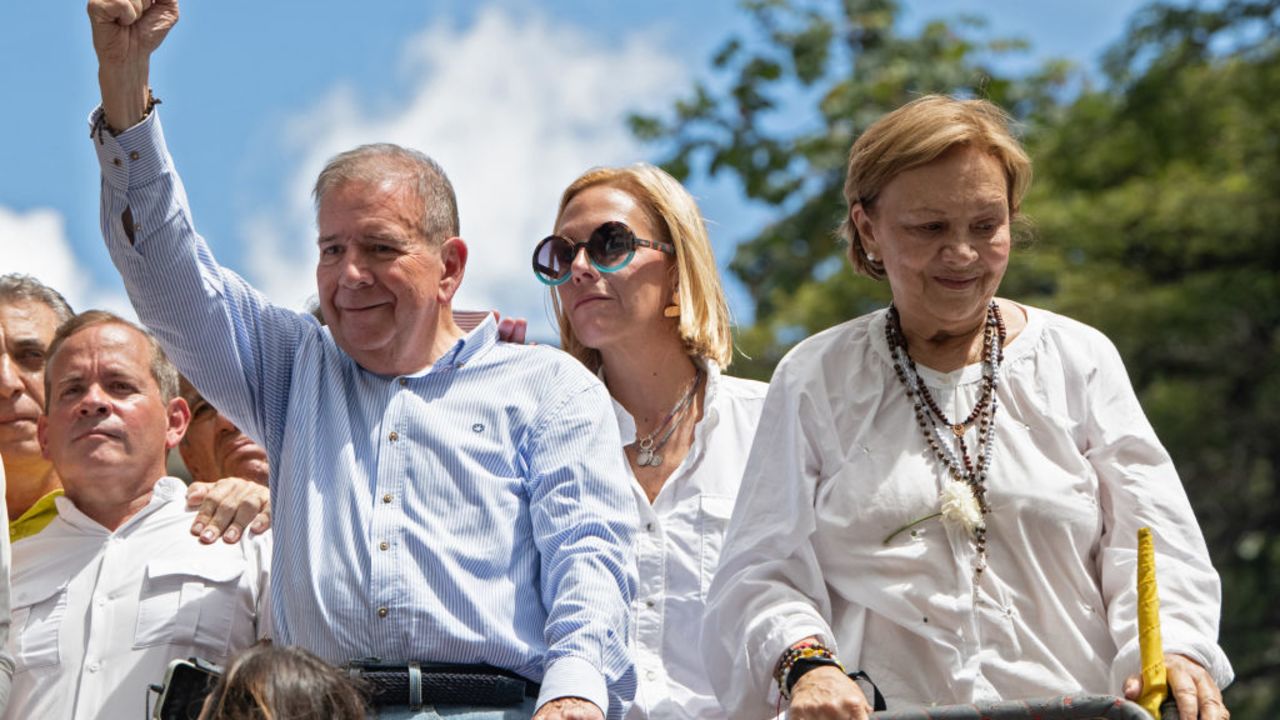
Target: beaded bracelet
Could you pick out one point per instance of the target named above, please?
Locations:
(796, 653)
(100, 124)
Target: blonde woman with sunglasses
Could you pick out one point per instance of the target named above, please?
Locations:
(639, 301)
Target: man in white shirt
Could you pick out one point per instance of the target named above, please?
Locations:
(117, 586)
(30, 313)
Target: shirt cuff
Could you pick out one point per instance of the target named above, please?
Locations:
(133, 158)
(1182, 640)
(574, 677)
(781, 639)
(1179, 640)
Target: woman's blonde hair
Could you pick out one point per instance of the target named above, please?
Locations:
(919, 133)
(704, 315)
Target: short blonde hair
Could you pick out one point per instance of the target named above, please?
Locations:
(704, 314)
(917, 134)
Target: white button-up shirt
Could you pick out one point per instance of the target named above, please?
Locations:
(98, 615)
(839, 464)
(6, 660)
(678, 548)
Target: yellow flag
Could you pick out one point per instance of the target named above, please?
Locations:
(1154, 686)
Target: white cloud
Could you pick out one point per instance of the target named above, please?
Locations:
(514, 107)
(35, 242)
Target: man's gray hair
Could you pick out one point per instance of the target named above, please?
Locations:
(16, 287)
(379, 162)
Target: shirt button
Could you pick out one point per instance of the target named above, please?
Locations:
(384, 545)
(92, 667)
(648, 527)
(651, 674)
(394, 436)
(386, 498)
(134, 155)
(403, 382)
(382, 612)
(115, 161)
(649, 603)
(100, 601)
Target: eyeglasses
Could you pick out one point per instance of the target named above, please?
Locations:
(610, 247)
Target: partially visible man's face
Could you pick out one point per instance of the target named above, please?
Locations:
(106, 414)
(26, 329)
(379, 281)
(214, 447)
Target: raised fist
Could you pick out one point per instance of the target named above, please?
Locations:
(128, 31)
(125, 33)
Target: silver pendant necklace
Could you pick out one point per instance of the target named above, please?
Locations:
(648, 449)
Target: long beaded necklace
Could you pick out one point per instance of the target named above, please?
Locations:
(940, 432)
(648, 455)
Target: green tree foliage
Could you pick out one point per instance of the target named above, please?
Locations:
(848, 58)
(1156, 210)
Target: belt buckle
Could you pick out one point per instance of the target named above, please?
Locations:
(416, 702)
(415, 686)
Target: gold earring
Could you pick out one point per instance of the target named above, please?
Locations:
(672, 310)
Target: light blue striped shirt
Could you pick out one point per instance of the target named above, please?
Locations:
(476, 512)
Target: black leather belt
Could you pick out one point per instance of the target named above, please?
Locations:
(418, 684)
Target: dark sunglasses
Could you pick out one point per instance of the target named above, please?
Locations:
(610, 247)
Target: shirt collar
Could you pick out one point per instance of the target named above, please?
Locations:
(41, 506)
(36, 518)
(165, 491)
(481, 338)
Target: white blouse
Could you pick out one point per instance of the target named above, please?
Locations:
(678, 547)
(839, 463)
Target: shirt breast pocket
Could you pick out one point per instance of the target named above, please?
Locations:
(713, 519)
(189, 604)
(37, 618)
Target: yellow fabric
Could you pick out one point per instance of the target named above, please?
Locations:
(1154, 686)
(36, 518)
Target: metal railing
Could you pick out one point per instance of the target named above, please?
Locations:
(1063, 707)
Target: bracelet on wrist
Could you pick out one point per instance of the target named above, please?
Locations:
(152, 102)
(804, 656)
(803, 666)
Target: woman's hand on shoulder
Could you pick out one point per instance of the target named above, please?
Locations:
(1190, 685)
(827, 694)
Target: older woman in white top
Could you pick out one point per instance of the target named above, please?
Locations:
(639, 301)
(946, 493)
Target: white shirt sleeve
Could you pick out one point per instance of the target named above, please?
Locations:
(769, 590)
(6, 660)
(1139, 487)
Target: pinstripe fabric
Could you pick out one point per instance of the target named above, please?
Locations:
(476, 512)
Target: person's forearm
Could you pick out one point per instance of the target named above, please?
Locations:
(124, 93)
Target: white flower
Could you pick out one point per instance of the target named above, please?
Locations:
(959, 505)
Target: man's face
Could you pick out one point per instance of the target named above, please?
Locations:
(26, 329)
(214, 447)
(106, 416)
(380, 283)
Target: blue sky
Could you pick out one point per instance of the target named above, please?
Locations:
(515, 98)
